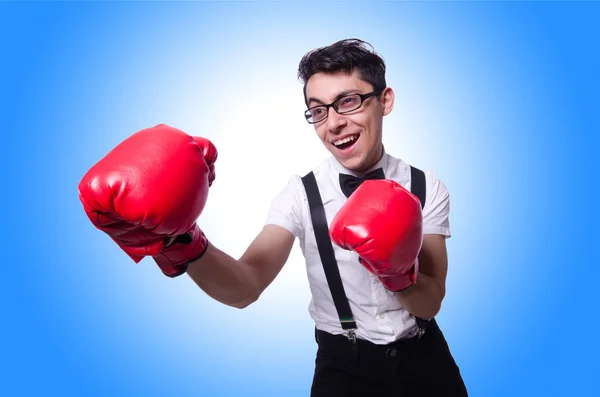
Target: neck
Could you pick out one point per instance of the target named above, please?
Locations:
(371, 163)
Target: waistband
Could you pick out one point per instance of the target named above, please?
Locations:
(340, 345)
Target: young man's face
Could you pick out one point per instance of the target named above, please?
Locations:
(361, 128)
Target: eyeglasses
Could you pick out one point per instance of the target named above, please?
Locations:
(343, 105)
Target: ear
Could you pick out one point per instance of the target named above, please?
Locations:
(387, 100)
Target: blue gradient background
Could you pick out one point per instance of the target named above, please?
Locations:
(501, 100)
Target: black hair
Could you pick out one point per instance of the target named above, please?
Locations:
(345, 55)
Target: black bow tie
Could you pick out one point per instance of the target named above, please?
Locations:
(350, 183)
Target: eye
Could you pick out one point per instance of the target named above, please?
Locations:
(316, 112)
(349, 102)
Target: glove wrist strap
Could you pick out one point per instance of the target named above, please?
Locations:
(174, 260)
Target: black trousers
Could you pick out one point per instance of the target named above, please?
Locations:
(415, 367)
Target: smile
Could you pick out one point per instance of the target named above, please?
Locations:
(346, 142)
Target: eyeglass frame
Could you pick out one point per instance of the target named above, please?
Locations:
(362, 97)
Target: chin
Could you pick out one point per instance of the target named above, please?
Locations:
(353, 164)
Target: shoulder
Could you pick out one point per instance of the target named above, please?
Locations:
(437, 206)
(436, 188)
(293, 195)
(292, 192)
(436, 192)
(437, 198)
(286, 208)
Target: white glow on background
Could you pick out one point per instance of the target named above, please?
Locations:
(250, 105)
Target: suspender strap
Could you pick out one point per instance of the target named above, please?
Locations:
(417, 184)
(417, 187)
(319, 220)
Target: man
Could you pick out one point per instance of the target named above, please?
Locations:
(374, 331)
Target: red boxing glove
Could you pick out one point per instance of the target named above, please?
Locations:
(383, 224)
(151, 187)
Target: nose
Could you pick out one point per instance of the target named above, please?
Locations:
(335, 121)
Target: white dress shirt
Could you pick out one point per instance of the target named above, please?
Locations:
(379, 316)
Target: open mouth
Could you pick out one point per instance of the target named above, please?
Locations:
(346, 143)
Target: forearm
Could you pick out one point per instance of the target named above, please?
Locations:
(423, 299)
(224, 278)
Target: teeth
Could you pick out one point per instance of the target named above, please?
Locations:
(345, 140)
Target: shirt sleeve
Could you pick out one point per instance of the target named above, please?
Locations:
(286, 207)
(436, 212)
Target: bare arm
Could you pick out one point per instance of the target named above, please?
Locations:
(238, 283)
(424, 299)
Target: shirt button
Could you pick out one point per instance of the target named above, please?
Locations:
(382, 316)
